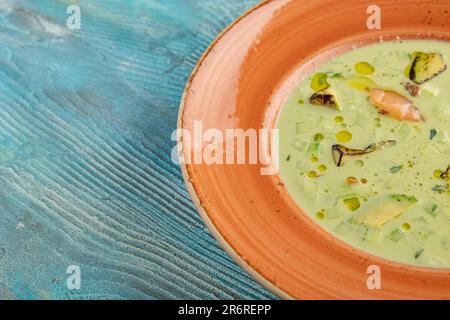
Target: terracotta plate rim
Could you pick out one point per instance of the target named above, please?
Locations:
(195, 199)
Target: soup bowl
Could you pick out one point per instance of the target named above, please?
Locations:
(240, 85)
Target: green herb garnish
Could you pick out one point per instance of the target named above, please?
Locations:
(337, 75)
(395, 169)
(418, 253)
(433, 133)
(440, 188)
(314, 147)
(396, 235)
(432, 210)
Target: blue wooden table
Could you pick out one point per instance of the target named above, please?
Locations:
(86, 177)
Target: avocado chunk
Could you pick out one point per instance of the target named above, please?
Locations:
(391, 208)
(326, 98)
(426, 66)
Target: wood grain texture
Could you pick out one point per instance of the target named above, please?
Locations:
(86, 176)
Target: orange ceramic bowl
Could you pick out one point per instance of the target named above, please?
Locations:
(242, 82)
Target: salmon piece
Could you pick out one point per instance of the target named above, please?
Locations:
(395, 105)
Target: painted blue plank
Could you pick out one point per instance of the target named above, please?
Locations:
(86, 118)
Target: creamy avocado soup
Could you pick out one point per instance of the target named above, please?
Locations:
(365, 149)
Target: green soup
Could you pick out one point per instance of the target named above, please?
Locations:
(365, 149)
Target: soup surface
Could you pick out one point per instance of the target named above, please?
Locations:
(365, 149)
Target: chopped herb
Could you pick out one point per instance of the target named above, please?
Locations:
(404, 198)
(432, 210)
(440, 188)
(395, 169)
(396, 235)
(337, 75)
(314, 147)
(418, 253)
(433, 133)
(288, 158)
